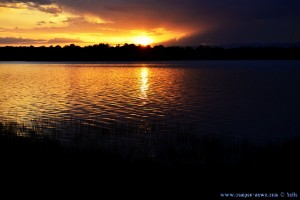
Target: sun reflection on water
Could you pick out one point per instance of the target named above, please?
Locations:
(144, 81)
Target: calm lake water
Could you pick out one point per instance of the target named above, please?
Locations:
(257, 100)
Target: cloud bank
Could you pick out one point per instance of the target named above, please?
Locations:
(203, 21)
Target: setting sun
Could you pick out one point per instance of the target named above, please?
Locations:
(143, 40)
(54, 23)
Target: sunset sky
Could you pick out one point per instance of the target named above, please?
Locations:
(168, 22)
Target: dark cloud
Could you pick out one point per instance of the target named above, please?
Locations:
(219, 21)
(40, 2)
(136, 14)
(64, 40)
(41, 23)
(27, 41)
(13, 40)
(41, 5)
(51, 9)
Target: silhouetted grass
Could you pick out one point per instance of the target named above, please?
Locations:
(155, 146)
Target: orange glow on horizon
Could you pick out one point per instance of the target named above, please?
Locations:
(143, 40)
(22, 24)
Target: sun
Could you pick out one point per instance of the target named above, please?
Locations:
(143, 40)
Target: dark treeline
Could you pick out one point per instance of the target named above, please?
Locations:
(104, 52)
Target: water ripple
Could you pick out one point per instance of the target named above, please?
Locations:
(213, 100)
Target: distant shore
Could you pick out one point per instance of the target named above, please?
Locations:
(131, 52)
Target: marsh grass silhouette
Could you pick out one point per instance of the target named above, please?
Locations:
(166, 157)
(128, 145)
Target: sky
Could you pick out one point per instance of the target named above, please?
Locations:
(167, 22)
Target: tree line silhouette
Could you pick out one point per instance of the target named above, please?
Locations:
(132, 52)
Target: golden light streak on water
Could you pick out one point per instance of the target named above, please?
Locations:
(144, 81)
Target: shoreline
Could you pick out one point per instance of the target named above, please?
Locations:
(132, 52)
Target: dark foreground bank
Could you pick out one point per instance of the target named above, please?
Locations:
(205, 162)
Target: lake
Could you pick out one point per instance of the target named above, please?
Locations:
(117, 104)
